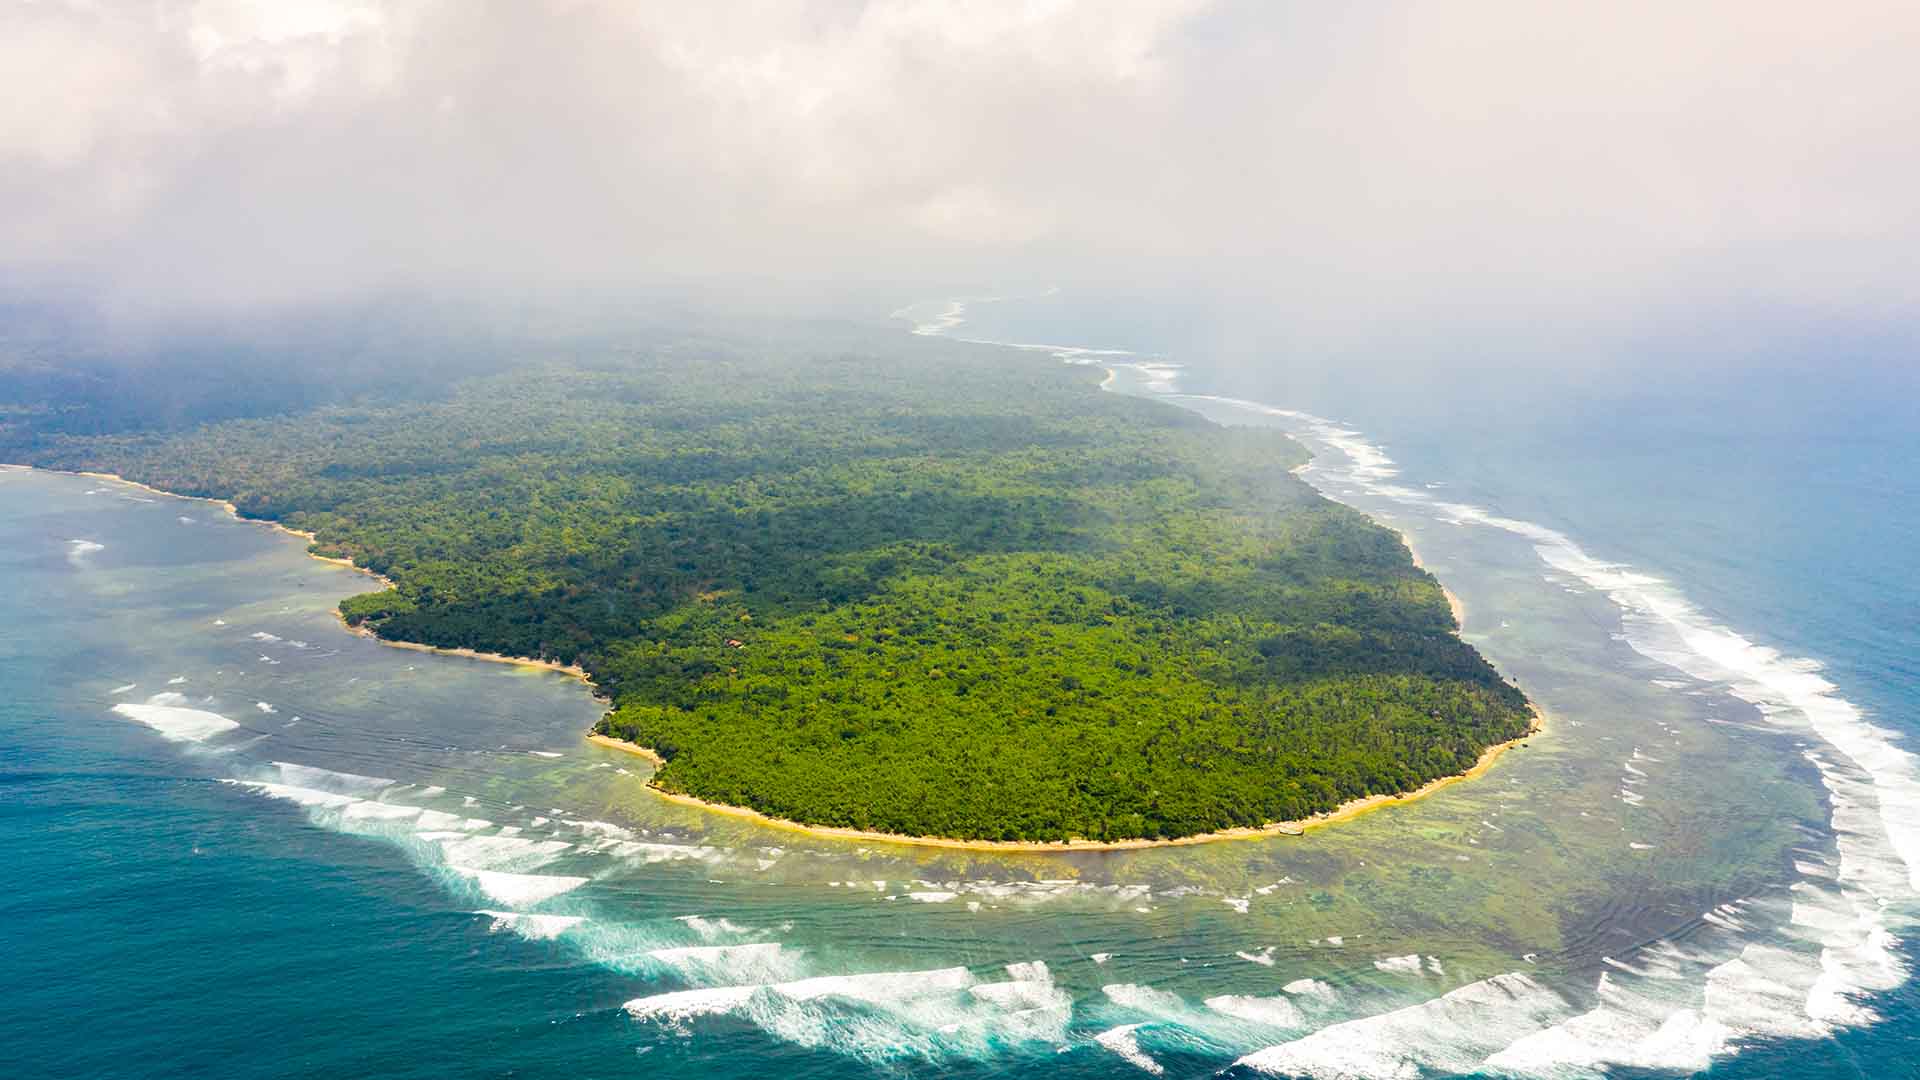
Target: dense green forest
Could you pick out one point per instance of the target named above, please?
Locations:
(858, 579)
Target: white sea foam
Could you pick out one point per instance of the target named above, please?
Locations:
(683, 1005)
(602, 830)
(952, 314)
(1226, 1023)
(885, 1015)
(878, 986)
(369, 810)
(1309, 988)
(1452, 1033)
(644, 851)
(300, 796)
(1663, 625)
(1121, 1040)
(1626, 1029)
(78, 550)
(531, 926)
(516, 853)
(1873, 783)
(711, 929)
(168, 714)
(760, 961)
(329, 780)
(1028, 991)
(1762, 993)
(701, 955)
(519, 890)
(1276, 1012)
(1145, 999)
(1158, 377)
(875, 987)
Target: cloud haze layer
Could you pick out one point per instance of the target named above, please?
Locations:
(1469, 168)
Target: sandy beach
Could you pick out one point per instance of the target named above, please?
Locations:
(571, 670)
(1344, 812)
(1454, 602)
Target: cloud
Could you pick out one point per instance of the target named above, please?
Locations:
(1476, 168)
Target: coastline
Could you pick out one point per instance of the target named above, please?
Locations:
(225, 504)
(574, 671)
(1346, 811)
(1454, 602)
(1459, 607)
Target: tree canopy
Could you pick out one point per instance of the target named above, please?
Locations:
(885, 583)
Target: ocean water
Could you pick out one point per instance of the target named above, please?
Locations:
(246, 843)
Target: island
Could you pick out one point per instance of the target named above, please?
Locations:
(857, 580)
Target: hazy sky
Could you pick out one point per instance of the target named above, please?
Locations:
(1470, 169)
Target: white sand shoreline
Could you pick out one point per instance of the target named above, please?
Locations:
(1346, 811)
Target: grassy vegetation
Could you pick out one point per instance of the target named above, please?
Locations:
(912, 586)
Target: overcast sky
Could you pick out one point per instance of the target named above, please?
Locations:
(1468, 168)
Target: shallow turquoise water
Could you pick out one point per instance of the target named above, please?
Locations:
(1658, 882)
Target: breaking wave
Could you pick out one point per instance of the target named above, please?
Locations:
(886, 1015)
(169, 714)
(79, 550)
(1829, 941)
(1663, 1006)
(1839, 925)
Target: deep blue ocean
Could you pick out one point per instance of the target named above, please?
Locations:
(159, 922)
